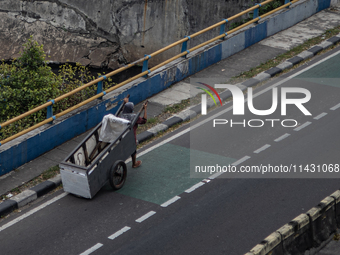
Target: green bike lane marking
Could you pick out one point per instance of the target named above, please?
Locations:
(325, 73)
(165, 173)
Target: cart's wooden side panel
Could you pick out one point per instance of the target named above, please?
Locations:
(75, 183)
(97, 178)
(120, 151)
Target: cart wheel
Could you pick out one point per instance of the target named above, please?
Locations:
(118, 174)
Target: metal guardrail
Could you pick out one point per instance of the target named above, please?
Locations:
(145, 70)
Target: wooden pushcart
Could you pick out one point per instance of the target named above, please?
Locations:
(93, 163)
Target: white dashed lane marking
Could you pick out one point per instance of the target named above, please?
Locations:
(143, 218)
(196, 186)
(303, 126)
(92, 249)
(320, 116)
(264, 147)
(169, 202)
(335, 107)
(240, 161)
(119, 232)
(215, 175)
(282, 137)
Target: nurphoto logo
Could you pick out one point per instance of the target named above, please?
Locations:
(239, 105)
(204, 97)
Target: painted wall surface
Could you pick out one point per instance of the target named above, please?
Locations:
(31, 145)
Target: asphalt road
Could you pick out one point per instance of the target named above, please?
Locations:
(157, 211)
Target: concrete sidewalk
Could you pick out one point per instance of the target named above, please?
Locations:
(218, 73)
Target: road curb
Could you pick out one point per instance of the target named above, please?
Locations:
(308, 231)
(43, 188)
(29, 195)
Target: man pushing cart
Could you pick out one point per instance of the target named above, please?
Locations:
(101, 156)
(129, 115)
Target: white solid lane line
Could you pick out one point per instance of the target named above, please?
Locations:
(303, 126)
(11, 223)
(119, 232)
(169, 202)
(146, 216)
(264, 147)
(282, 137)
(92, 249)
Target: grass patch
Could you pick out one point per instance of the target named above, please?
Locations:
(177, 107)
(152, 120)
(48, 174)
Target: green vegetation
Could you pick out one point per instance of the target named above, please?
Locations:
(48, 174)
(336, 237)
(262, 10)
(29, 82)
(270, 6)
(25, 84)
(152, 120)
(177, 107)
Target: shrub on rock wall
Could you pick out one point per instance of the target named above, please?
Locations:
(29, 82)
(25, 84)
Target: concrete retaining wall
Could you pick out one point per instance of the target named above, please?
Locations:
(31, 145)
(108, 33)
(306, 232)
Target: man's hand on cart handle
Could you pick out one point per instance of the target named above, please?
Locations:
(145, 105)
(126, 99)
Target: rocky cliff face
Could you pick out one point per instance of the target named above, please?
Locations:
(108, 33)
